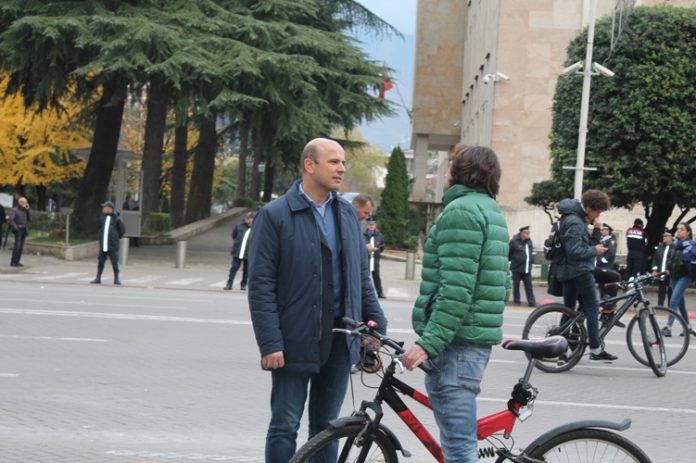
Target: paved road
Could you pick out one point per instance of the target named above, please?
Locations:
(136, 374)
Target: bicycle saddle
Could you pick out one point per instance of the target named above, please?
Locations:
(550, 347)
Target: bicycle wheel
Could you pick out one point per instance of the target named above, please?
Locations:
(557, 319)
(652, 342)
(675, 347)
(589, 446)
(381, 450)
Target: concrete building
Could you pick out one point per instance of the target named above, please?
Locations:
(485, 74)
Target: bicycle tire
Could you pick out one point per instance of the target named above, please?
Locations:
(346, 451)
(675, 348)
(588, 446)
(545, 321)
(652, 342)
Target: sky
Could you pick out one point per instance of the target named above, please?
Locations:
(398, 54)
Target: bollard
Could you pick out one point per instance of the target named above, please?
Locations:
(180, 254)
(125, 247)
(410, 265)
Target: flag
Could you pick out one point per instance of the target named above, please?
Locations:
(386, 84)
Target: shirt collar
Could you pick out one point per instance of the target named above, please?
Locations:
(311, 201)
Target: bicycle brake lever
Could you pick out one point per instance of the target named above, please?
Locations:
(401, 365)
(342, 330)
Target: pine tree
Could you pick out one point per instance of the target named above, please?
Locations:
(393, 210)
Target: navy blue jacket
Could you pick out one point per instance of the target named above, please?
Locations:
(580, 252)
(286, 279)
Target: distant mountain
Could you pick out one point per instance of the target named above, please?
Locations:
(399, 55)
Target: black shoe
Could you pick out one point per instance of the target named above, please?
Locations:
(117, 282)
(516, 303)
(96, 281)
(381, 296)
(604, 355)
(243, 288)
(667, 332)
(227, 287)
(531, 304)
(691, 332)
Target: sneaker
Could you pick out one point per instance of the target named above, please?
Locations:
(243, 288)
(227, 287)
(691, 332)
(354, 369)
(667, 332)
(604, 355)
(117, 282)
(96, 281)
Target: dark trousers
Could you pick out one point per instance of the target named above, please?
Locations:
(665, 289)
(101, 259)
(605, 278)
(529, 291)
(376, 279)
(236, 263)
(20, 237)
(635, 264)
(583, 286)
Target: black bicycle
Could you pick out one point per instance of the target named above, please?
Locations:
(362, 437)
(643, 336)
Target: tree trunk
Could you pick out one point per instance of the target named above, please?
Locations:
(40, 198)
(95, 182)
(178, 197)
(269, 175)
(243, 153)
(201, 188)
(657, 219)
(155, 124)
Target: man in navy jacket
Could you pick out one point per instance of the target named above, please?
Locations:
(308, 269)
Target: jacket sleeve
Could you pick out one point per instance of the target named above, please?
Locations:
(120, 228)
(264, 256)
(459, 239)
(574, 245)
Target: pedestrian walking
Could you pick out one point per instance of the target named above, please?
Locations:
(240, 250)
(307, 270)
(662, 261)
(19, 224)
(465, 284)
(521, 256)
(637, 244)
(111, 230)
(683, 273)
(374, 241)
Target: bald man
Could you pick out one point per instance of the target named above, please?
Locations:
(307, 270)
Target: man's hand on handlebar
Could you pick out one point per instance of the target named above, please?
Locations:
(414, 357)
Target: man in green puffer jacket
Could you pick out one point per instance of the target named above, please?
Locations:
(465, 283)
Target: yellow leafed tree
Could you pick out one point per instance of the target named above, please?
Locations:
(35, 147)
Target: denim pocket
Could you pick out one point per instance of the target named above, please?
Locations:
(471, 364)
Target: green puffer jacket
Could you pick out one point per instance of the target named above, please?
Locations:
(465, 271)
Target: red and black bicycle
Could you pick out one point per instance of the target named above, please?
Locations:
(362, 437)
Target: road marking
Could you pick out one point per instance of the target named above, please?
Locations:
(396, 292)
(60, 276)
(605, 366)
(219, 284)
(51, 338)
(689, 411)
(183, 281)
(141, 280)
(9, 375)
(182, 456)
(123, 316)
(94, 304)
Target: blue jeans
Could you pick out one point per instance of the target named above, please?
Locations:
(288, 396)
(679, 286)
(452, 390)
(583, 286)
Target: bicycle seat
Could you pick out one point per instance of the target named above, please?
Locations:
(550, 347)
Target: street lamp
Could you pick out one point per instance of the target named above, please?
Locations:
(587, 69)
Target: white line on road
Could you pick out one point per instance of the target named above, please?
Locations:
(606, 366)
(218, 284)
(60, 276)
(9, 375)
(93, 304)
(123, 316)
(141, 280)
(689, 411)
(51, 338)
(182, 456)
(184, 281)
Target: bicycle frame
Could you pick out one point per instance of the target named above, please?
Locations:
(502, 421)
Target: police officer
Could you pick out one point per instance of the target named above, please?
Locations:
(661, 262)
(521, 258)
(637, 244)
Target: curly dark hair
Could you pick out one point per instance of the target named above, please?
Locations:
(596, 200)
(477, 167)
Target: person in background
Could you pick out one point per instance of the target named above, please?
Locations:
(3, 221)
(111, 230)
(465, 284)
(637, 244)
(606, 274)
(19, 224)
(240, 251)
(682, 272)
(521, 258)
(308, 270)
(374, 241)
(662, 261)
(364, 206)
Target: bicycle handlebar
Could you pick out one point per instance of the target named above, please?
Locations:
(370, 329)
(640, 280)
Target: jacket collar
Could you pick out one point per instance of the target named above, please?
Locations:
(458, 190)
(297, 201)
